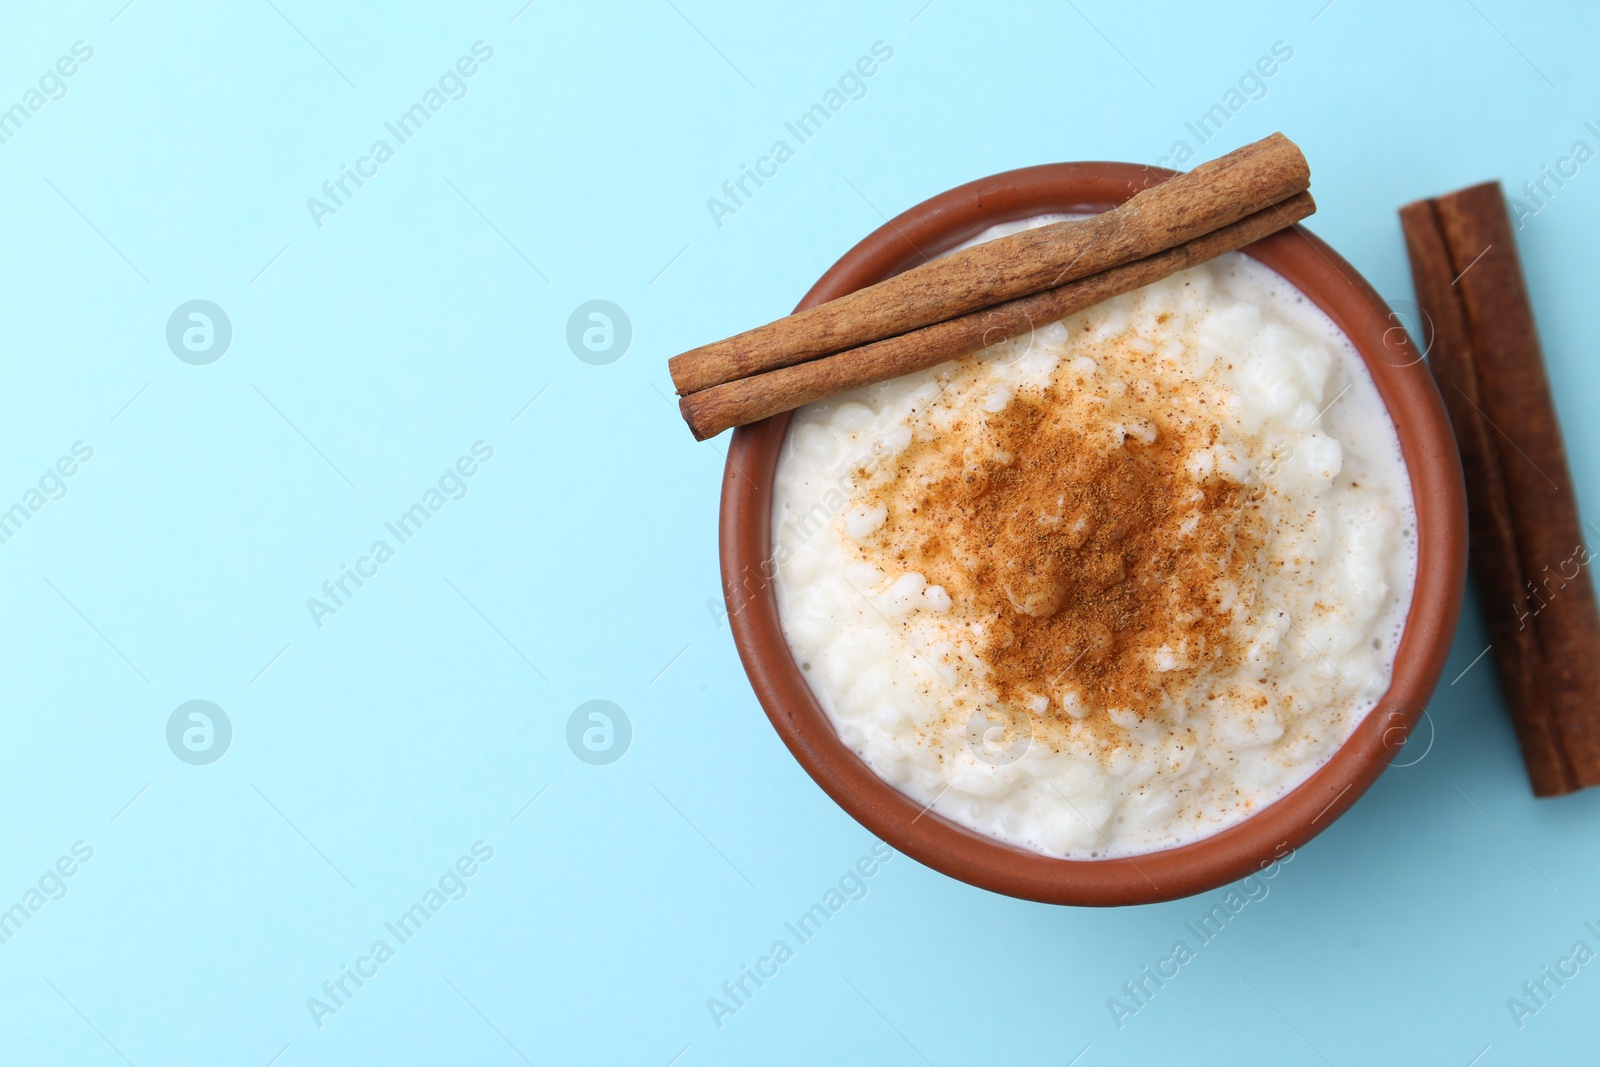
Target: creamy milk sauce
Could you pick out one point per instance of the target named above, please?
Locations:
(1111, 586)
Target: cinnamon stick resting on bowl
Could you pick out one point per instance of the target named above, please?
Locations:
(736, 403)
(1217, 207)
(1528, 550)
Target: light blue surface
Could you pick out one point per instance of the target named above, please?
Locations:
(368, 354)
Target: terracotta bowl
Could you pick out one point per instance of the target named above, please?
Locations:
(1413, 402)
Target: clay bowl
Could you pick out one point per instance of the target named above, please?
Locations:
(1413, 402)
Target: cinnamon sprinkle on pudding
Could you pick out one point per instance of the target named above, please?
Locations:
(1112, 585)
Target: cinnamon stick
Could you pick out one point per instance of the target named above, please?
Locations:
(1178, 210)
(1528, 551)
(710, 411)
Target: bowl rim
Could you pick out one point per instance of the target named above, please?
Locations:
(1268, 836)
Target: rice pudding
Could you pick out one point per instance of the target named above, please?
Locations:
(1111, 586)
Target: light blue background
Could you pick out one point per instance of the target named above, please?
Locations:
(370, 353)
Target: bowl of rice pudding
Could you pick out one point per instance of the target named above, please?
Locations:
(1120, 610)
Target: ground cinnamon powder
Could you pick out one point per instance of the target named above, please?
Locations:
(1103, 577)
